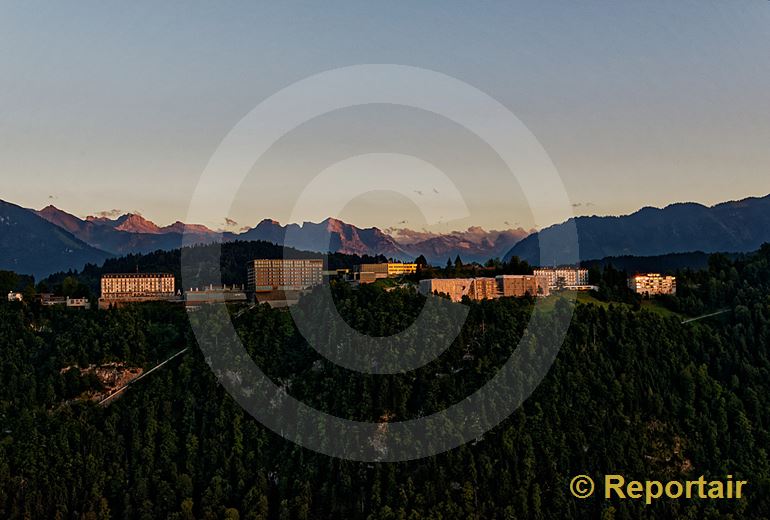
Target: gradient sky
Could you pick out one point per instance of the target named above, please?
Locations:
(107, 105)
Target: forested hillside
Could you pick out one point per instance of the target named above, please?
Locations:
(630, 392)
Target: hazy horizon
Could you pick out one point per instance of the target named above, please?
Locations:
(114, 214)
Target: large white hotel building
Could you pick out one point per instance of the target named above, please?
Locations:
(564, 277)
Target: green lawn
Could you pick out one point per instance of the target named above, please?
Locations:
(547, 304)
(654, 306)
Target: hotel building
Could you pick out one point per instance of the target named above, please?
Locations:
(284, 274)
(563, 277)
(652, 284)
(124, 288)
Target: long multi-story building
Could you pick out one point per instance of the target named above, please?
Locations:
(49, 300)
(121, 288)
(563, 277)
(518, 285)
(268, 275)
(485, 288)
(367, 273)
(652, 284)
(456, 288)
(78, 303)
(196, 297)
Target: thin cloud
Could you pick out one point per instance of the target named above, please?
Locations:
(112, 213)
(474, 235)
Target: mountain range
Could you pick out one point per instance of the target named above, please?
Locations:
(30, 244)
(132, 233)
(50, 240)
(736, 226)
(129, 233)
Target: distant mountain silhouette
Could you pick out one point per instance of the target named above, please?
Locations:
(132, 233)
(329, 235)
(738, 226)
(30, 244)
(127, 234)
(472, 245)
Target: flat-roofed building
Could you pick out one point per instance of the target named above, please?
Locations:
(561, 277)
(367, 273)
(456, 288)
(652, 284)
(518, 285)
(366, 277)
(483, 289)
(121, 288)
(267, 275)
(214, 294)
(78, 303)
(401, 268)
(49, 300)
(340, 274)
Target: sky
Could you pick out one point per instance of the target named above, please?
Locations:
(121, 106)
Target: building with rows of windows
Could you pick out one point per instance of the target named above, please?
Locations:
(368, 273)
(652, 284)
(509, 285)
(267, 275)
(563, 277)
(518, 285)
(122, 288)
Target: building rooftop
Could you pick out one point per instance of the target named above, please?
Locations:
(136, 275)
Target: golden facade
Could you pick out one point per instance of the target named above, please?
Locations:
(652, 284)
(137, 285)
(368, 273)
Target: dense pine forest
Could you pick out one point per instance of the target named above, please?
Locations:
(632, 391)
